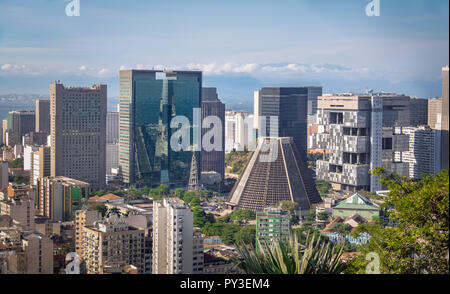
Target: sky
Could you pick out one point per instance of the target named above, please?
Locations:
(240, 45)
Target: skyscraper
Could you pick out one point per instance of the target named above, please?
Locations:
(445, 119)
(148, 102)
(78, 133)
(213, 160)
(289, 105)
(19, 123)
(112, 127)
(43, 116)
(418, 112)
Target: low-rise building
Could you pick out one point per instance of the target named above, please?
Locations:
(357, 204)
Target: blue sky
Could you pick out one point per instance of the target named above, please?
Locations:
(239, 45)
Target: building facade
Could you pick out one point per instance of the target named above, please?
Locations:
(148, 101)
(78, 133)
(275, 172)
(58, 198)
(418, 112)
(358, 133)
(272, 224)
(111, 245)
(213, 160)
(43, 116)
(288, 107)
(238, 130)
(19, 124)
(112, 127)
(173, 238)
(423, 155)
(41, 164)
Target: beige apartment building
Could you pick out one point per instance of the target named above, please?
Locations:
(84, 217)
(111, 245)
(20, 210)
(78, 133)
(25, 251)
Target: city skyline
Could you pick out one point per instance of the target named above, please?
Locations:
(248, 45)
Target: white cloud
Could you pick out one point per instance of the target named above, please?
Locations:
(103, 71)
(82, 68)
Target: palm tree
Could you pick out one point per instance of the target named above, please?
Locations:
(314, 256)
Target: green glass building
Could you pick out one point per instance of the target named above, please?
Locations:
(148, 101)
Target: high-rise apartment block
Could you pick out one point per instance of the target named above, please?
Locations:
(213, 160)
(358, 132)
(84, 218)
(78, 133)
(423, 155)
(173, 238)
(58, 198)
(43, 116)
(149, 100)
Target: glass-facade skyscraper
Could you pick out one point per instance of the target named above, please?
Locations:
(148, 101)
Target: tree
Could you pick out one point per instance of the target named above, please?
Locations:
(307, 255)
(247, 235)
(323, 216)
(113, 210)
(195, 201)
(244, 215)
(179, 192)
(323, 187)
(342, 229)
(17, 163)
(199, 217)
(417, 242)
(310, 217)
(101, 208)
(228, 233)
(288, 206)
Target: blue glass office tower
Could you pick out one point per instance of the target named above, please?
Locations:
(148, 101)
